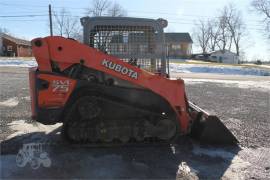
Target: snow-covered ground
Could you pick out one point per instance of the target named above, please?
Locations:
(21, 127)
(174, 67)
(210, 68)
(18, 63)
(11, 102)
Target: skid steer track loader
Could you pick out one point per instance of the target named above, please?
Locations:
(115, 87)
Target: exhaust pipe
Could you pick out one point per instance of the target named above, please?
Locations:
(208, 128)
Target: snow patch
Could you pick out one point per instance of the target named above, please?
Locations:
(21, 127)
(18, 63)
(186, 172)
(11, 102)
(27, 98)
(238, 166)
(227, 70)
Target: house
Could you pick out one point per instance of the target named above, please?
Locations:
(178, 45)
(11, 46)
(225, 56)
(132, 43)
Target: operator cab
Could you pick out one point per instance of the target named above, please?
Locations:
(138, 41)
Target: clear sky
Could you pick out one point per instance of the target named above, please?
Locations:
(181, 15)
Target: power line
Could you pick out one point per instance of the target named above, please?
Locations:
(182, 20)
(170, 21)
(14, 5)
(25, 20)
(197, 24)
(134, 11)
(19, 16)
(33, 15)
(173, 21)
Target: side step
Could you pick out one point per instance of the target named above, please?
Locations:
(208, 128)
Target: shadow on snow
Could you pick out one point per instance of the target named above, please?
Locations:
(143, 161)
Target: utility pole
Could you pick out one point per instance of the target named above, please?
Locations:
(50, 17)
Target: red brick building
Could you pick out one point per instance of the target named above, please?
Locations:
(11, 46)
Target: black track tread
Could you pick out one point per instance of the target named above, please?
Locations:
(117, 144)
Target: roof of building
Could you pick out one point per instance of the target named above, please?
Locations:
(15, 40)
(141, 38)
(178, 37)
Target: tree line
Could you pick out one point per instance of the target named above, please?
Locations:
(228, 29)
(66, 25)
(224, 32)
(262, 7)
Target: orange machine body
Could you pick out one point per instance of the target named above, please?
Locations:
(67, 52)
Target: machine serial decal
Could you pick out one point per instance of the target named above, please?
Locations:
(60, 85)
(120, 69)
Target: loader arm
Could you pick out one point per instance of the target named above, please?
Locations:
(65, 53)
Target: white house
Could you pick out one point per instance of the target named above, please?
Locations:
(225, 56)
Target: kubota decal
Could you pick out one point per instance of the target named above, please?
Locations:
(120, 69)
(60, 85)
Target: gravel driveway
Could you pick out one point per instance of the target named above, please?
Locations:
(244, 108)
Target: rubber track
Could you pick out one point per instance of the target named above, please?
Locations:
(130, 143)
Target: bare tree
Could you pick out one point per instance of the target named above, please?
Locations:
(98, 8)
(201, 34)
(4, 30)
(65, 24)
(231, 29)
(224, 32)
(116, 10)
(224, 38)
(105, 8)
(236, 27)
(263, 8)
(214, 31)
(59, 22)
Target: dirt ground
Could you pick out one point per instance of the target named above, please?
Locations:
(243, 106)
